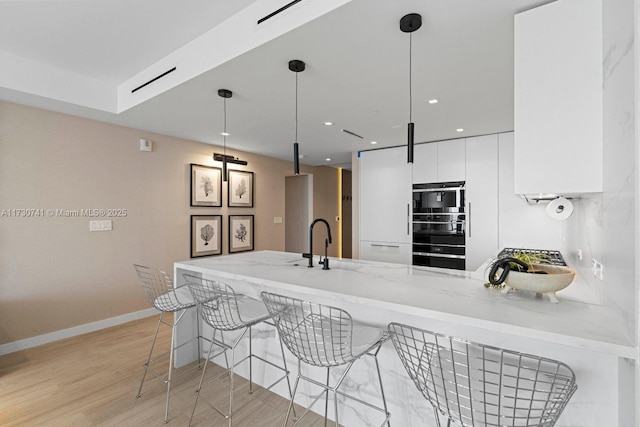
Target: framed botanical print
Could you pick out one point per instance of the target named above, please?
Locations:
(240, 233)
(206, 235)
(206, 186)
(240, 192)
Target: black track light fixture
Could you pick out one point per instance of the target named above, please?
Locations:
(408, 24)
(224, 94)
(296, 66)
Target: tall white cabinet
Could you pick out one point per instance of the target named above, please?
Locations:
(386, 196)
(385, 206)
(481, 199)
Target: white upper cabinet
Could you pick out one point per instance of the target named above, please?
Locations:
(451, 160)
(385, 196)
(559, 98)
(425, 163)
(442, 161)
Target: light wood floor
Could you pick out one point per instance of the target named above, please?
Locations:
(92, 380)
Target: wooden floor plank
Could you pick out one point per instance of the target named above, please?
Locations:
(92, 380)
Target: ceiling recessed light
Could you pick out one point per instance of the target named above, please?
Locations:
(225, 133)
(328, 159)
(374, 142)
(375, 112)
(459, 130)
(396, 126)
(432, 101)
(328, 123)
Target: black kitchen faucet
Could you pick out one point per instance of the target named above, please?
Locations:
(325, 262)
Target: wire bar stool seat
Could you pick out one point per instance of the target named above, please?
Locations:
(325, 336)
(162, 295)
(225, 311)
(474, 384)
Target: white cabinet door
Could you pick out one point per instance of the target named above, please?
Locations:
(400, 253)
(442, 161)
(451, 160)
(559, 98)
(425, 163)
(481, 200)
(385, 196)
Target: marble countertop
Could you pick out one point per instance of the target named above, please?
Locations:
(448, 295)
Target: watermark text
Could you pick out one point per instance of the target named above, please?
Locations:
(62, 213)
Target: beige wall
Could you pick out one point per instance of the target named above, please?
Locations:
(54, 273)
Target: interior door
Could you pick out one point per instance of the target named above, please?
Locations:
(298, 212)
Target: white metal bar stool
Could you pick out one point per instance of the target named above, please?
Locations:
(325, 336)
(478, 385)
(224, 310)
(160, 292)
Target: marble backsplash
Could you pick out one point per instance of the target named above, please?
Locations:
(603, 224)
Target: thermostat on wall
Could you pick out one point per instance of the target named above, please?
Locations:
(146, 145)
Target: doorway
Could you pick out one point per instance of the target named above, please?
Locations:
(298, 212)
(346, 213)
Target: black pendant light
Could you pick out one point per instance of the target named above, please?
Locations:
(224, 94)
(296, 66)
(408, 24)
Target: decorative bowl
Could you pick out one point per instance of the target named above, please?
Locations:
(556, 278)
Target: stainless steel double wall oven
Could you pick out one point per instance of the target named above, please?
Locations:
(439, 224)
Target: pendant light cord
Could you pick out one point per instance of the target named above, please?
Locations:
(410, 91)
(296, 140)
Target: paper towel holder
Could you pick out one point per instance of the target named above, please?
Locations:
(534, 199)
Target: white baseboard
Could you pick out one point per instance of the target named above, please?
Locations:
(74, 331)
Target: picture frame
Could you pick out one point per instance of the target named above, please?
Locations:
(241, 232)
(206, 235)
(206, 186)
(240, 191)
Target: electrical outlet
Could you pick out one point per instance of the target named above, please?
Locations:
(100, 225)
(597, 269)
(277, 220)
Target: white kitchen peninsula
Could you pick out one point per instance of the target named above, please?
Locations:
(589, 338)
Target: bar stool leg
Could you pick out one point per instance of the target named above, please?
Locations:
(250, 363)
(336, 387)
(204, 371)
(295, 389)
(231, 374)
(335, 404)
(173, 337)
(198, 337)
(326, 400)
(384, 399)
(146, 365)
(231, 384)
(224, 345)
(286, 370)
